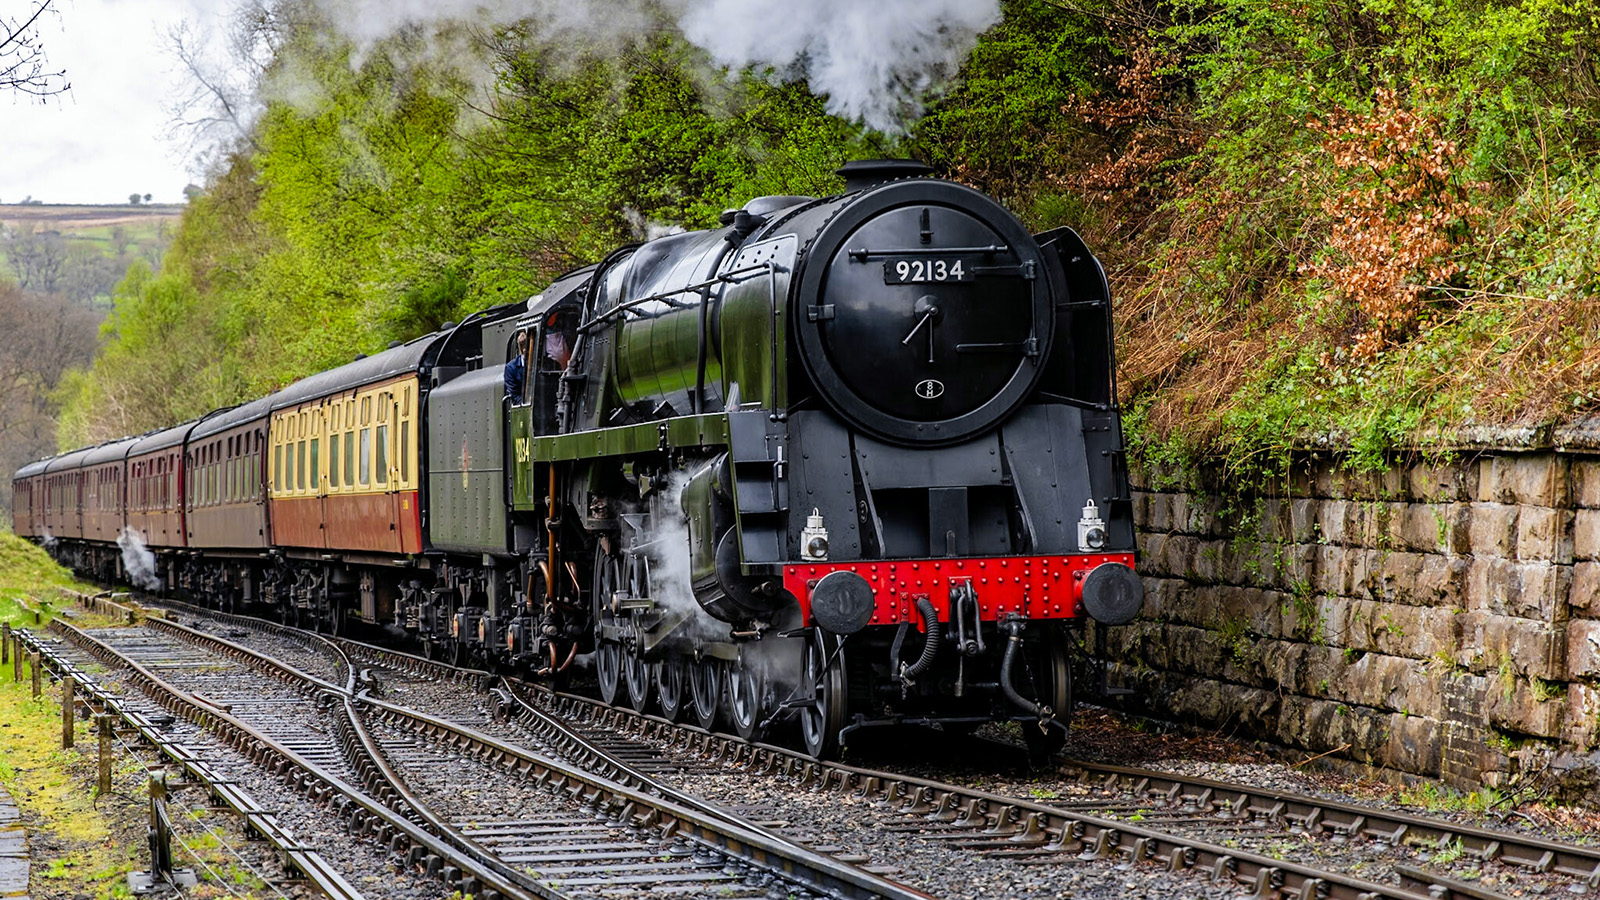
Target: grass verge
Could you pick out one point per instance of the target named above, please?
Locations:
(82, 845)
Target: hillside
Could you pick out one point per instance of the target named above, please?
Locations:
(1334, 220)
(81, 251)
(77, 219)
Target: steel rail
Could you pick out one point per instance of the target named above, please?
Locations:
(1311, 813)
(362, 812)
(257, 819)
(575, 746)
(1027, 824)
(717, 831)
(1056, 829)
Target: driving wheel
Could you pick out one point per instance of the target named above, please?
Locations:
(822, 713)
(671, 679)
(640, 678)
(747, 689)
(608, 669)
(705, 691)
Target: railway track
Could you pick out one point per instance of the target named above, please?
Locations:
(1120, 814)
(185, 749)
(417, 784)
(1135, 806)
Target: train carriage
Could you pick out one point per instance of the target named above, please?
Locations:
(105, 491)
(223, 504)
(344, 468)
(156, 487)
(64, 484)
(27, 495)
(225, 486)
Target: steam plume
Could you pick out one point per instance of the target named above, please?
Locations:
(137, 560)
(874, 61)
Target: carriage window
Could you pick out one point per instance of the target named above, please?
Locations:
(405, 452)
(382, 463)
(277, 468)
(300, 466)
(316, 463)
(333, 460)
(366, 456)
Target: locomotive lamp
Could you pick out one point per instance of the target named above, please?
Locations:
(814, 538)
(1091, 529)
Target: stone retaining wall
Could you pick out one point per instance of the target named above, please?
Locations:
(1439, 618)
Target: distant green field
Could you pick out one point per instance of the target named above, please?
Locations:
(140, 232)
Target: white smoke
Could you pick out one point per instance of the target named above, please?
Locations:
(648, 229)
(874, 61)
(672, 586)
(49, 540)
(137, 560)
(671, 575)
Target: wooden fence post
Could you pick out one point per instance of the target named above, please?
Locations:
(103, 722)
(69, 712)
(33, 663)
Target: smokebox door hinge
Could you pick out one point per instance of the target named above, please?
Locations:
(819, 313)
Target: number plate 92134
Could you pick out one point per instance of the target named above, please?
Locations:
(926, 270)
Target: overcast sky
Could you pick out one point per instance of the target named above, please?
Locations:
(102, 140)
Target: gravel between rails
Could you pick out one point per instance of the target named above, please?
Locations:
(859, 830)
(846, 827)
(843, 825)
(1100, 737)
(375, 871)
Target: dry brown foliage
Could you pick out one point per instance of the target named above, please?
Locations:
(1147, 120)
(1542, 364)
(1395, 234)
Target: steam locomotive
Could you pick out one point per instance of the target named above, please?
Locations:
(842, 462)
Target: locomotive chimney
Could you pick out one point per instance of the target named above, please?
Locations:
(860, 174)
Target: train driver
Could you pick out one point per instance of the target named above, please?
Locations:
(517, 369)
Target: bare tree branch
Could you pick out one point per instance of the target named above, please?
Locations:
(215, 104)
(23, 65)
